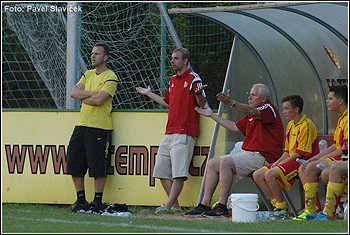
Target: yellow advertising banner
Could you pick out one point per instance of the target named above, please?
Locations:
(34, 147)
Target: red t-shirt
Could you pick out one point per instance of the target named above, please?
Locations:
(265, 135)
(180, 96)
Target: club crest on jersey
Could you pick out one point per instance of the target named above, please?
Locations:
(185, 84)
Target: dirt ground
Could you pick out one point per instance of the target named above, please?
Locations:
(148, 213)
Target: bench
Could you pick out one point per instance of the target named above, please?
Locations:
(287, 198)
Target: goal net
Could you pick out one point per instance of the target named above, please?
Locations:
(34, 50)
(134, 31)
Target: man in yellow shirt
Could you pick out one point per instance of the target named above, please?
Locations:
(337, 101)
(300, 142)
(89, 145)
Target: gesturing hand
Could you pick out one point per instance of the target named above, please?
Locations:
(224, 98)
(144, 91)
(200, 89)
(206, 111)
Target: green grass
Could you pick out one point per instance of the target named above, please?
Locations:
(40, 218)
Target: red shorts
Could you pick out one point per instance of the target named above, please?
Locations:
(288, 173)
(331, 159)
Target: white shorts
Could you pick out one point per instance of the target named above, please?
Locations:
(174, 156)
(246, 163)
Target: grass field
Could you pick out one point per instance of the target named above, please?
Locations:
(40, 218)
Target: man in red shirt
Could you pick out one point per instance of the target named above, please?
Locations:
(263, 144)
(184, 92)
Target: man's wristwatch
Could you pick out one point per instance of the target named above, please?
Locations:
(233, 104)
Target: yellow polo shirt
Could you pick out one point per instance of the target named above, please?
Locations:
(301, 137)
(341, 131)
(98, 116)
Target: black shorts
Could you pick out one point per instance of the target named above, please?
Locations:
(89, 148)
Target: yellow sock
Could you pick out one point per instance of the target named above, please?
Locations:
(333, 195)
(273, 202)
(281, 205)
(311, 190)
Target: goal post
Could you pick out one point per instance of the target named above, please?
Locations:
(72, 55)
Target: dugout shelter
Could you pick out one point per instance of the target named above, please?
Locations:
(293, 47)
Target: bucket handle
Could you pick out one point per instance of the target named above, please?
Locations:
(257, 208)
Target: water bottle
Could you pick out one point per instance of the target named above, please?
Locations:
(344, 149)
(323, 165)
(119, 214)
(122, 214)
(302, 162)
(263, 215)
(322, 145)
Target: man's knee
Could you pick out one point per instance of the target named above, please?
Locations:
(214, 163)
(312, 167)
(258, 174)
(271, 173)
(226, 160)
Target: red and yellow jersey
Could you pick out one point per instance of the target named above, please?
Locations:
(301, 137)
(341, 131)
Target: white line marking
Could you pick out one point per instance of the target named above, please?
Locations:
(112, 224)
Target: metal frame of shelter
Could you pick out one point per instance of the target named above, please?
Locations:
(293, 47)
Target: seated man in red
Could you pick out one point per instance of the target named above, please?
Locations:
(263, 144)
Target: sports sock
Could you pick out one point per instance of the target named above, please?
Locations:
(98, 198)
(333, 196)
(273, 202)
(281, 205)
(318, 204)
(311, 196)
(81, 197)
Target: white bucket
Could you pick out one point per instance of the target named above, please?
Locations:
(244, 207)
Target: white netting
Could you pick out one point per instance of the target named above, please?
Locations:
(34, 47)
(133, 31)
(34, 50)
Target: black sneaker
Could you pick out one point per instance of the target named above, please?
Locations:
(116, 208)
(76, 207)
(96, 208)
(200, 209)
(219, 210)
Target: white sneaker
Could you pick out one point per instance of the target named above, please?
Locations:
(162, 210)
